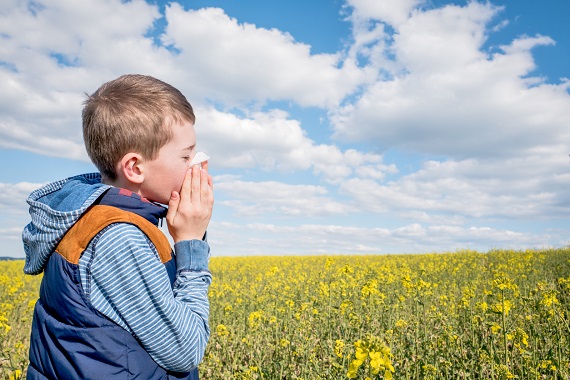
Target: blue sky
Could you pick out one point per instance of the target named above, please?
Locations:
(358, 126)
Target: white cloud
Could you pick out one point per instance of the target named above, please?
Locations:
(53, 52)
(266, 239)
(392, 12)
(446, 96)
(442, 39)
(249, 199)
(235, 62)
(13, 209)
(271, 140)
(517, 188)
(412, 79)
(13, 233)
(13, 195)
(59, 47)
(19, 135)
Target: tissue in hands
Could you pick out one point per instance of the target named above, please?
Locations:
(198, 159)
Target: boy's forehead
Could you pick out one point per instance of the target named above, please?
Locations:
(184, 133)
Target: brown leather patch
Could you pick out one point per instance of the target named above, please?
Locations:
(98, 217)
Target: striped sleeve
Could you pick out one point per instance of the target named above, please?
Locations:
(127, 283)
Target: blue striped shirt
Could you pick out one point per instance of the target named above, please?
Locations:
(123, 277)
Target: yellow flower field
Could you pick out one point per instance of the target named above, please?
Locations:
(18, 294)
(464, 315)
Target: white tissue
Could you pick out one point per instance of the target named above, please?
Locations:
(198, 159)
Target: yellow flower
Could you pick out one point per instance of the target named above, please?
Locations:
(549, 299)
(504, 283)
(374, 349)
(503, 372)
(338, 348)
(377, 362)
(222, 330)
(482, 306)
(353, 368)
(502, 307)
(401, 323)
(255, 318)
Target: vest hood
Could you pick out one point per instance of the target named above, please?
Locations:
(54, 208)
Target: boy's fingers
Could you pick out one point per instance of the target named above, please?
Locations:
(205, 165)
(204, 186)
(195, 194)
(186, 185)
(172, 206)
(210, 182)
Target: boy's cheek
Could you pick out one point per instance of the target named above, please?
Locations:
(180, 180)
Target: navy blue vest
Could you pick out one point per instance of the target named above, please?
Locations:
(72, 340)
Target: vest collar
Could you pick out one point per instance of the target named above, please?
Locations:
(129, 201)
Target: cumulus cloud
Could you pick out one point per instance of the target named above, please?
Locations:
(339, 239)
(13, 209)
(412, 79)
(249, 198)
(518, 188)
(447, 96)
(391, 12)
(53, 52)
(14, 195)
(240, 63)
(273, 141)
(13, 233)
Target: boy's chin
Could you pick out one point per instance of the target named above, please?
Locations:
(162, 202)
(165, 204)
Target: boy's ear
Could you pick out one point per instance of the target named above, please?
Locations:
(131, 167)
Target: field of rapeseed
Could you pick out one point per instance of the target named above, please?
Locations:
(465, 315)
(18, 294)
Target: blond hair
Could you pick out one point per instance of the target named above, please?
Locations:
(133, 113)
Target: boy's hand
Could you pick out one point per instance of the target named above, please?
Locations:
(189, 211)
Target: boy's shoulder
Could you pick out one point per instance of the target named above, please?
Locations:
(98, 218)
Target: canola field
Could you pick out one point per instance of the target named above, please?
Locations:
(464, 315)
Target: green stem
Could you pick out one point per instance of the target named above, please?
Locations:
(504, 329)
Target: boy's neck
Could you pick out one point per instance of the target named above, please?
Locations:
(122, 185)
(128, 201)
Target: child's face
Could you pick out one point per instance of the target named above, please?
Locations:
(165, 174)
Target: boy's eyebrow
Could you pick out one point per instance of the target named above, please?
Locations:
(190, 147)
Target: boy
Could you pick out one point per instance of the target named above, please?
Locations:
(115, 303)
